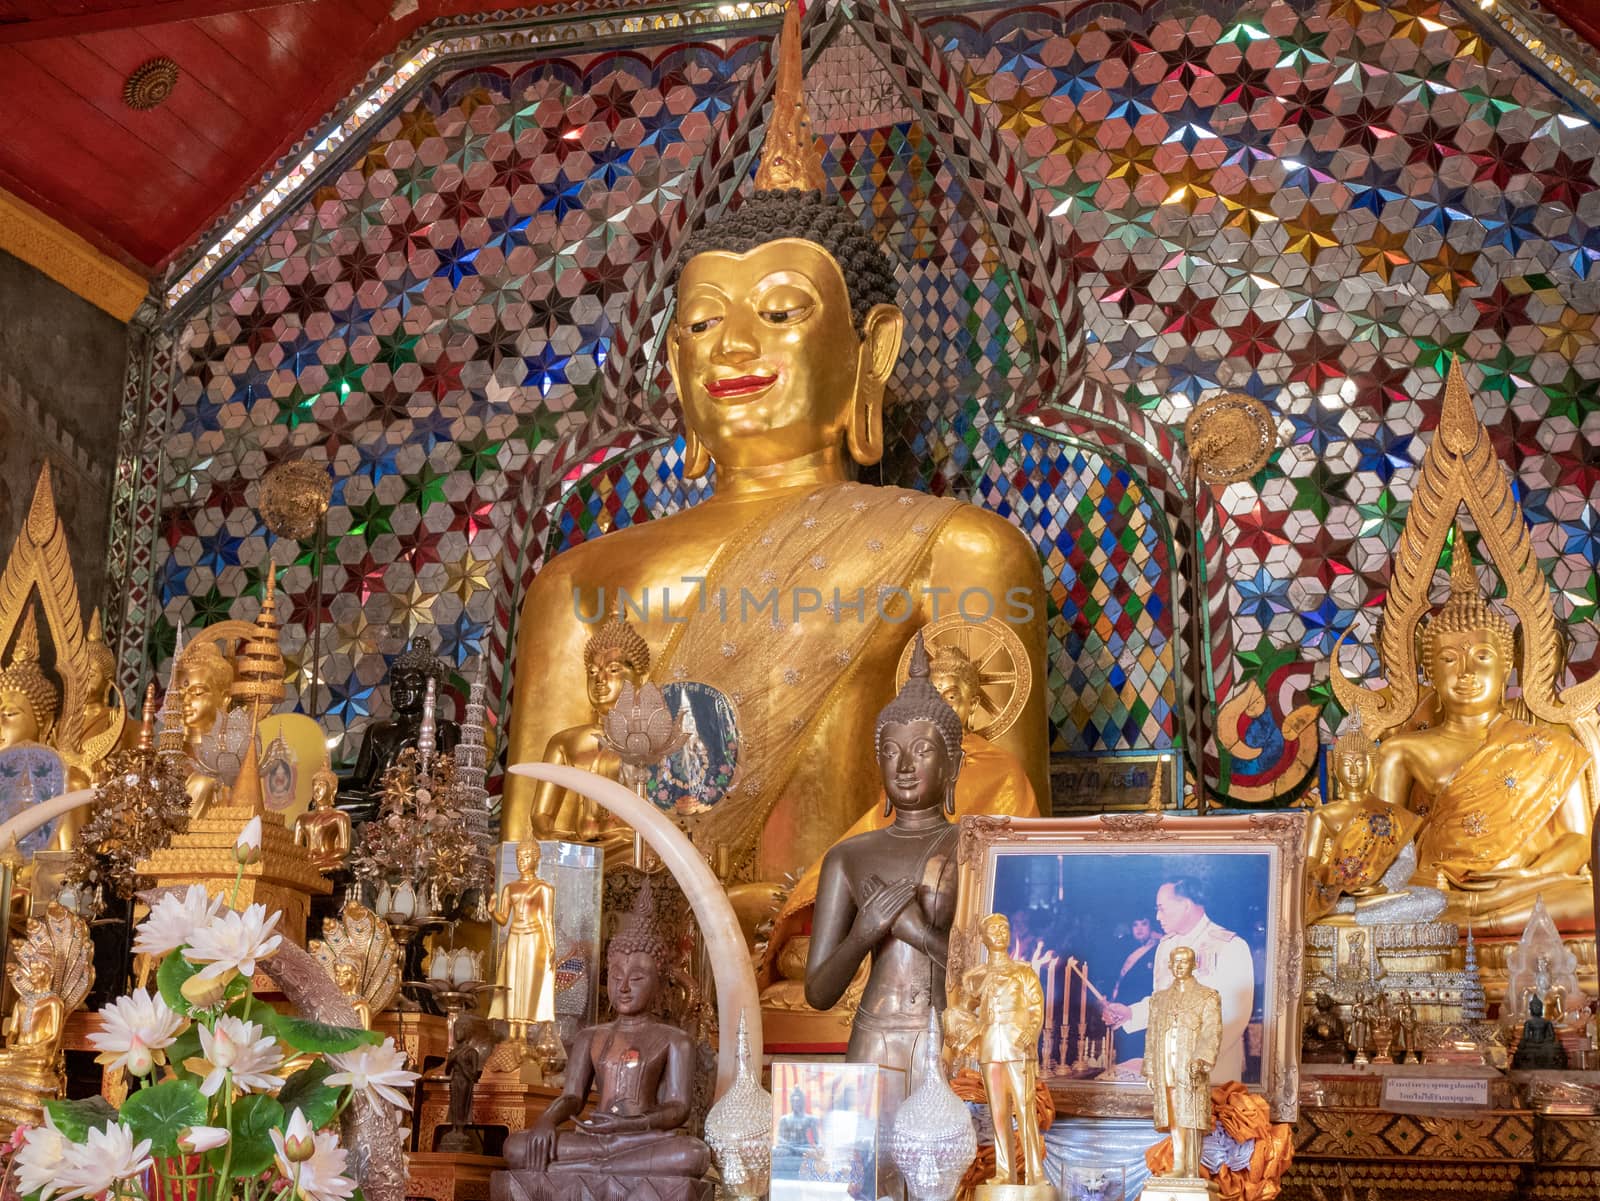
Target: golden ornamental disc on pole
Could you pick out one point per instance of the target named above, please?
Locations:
(294, 496)
(1004, 677)
(1230, 437)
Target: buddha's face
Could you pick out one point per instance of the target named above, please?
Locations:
(98, 680)
(407, 688)
(1352, 772)
(765, 354)
(344, 975)
(322, 790)
(203, 701)
(996, 931)
(916, 768)
(1182, 963)
(527, 859)
(1469, 673)
(607, 671)
(632, 982)
(958, 693)
(18, 722)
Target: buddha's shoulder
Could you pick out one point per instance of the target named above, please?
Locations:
(972, 529)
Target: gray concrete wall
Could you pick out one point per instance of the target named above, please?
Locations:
(61, 369)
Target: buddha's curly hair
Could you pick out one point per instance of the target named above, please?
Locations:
(1459, 615)
(616, 634)
(918, 701)
(953, 661)
(768, 216)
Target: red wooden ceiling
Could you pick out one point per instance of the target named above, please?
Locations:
(256, 75)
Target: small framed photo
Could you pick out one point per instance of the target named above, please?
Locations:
(1098, 904)
(830, 1130)
(1094, 1182)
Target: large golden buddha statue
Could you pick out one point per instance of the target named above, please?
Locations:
(793, 589)
(1505, 789)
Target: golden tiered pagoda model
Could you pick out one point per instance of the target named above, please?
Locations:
(226, 792)
(1505, 788)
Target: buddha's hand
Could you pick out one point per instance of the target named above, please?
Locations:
(541, 1143)
(880, 905)
(610, 1123)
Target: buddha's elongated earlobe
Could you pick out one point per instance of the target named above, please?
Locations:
(880, 349)
(888, 805)
(696, 458)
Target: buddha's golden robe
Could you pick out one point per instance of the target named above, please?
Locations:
(767, 632)
(1365, 838)
(992, 781)
(1497, 813)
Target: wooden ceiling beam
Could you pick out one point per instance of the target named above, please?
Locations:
(131, 16)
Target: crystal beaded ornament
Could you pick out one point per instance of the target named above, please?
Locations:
(739, 1130)
(933, 1142)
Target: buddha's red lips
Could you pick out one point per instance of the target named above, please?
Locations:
(739, 385)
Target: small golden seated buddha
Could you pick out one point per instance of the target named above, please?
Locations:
(323, 830)
(615, 656)
(1360, 857)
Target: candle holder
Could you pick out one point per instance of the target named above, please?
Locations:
(454, 998)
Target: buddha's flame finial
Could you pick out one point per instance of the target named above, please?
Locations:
(27, 647)
(1463, 578)
(789, 156)
(1458, 420)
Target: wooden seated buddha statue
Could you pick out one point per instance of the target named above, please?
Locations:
(643, 1072)
(793, 590)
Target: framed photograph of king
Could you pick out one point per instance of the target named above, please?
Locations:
(1098, 904)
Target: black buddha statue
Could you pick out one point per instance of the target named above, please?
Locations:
(384, 740)
(1539, 1047)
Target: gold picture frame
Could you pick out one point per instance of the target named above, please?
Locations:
(1070, 884)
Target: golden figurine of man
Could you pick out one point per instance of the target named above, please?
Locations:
(1185, 1036)
(1006, 1017)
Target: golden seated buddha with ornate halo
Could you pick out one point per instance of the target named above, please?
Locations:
(784, 339)
(1505, 789)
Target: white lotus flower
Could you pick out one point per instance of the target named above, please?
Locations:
(313, 1163)
(38, 1161)
(233, 941)
(173, 919)
(132, 1029)
(108, 1157)
(376, 1071)
(239, 1051)
(198, 1139)
(247, 849)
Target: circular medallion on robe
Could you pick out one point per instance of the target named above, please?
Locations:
(30, 773)
(702, 771)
